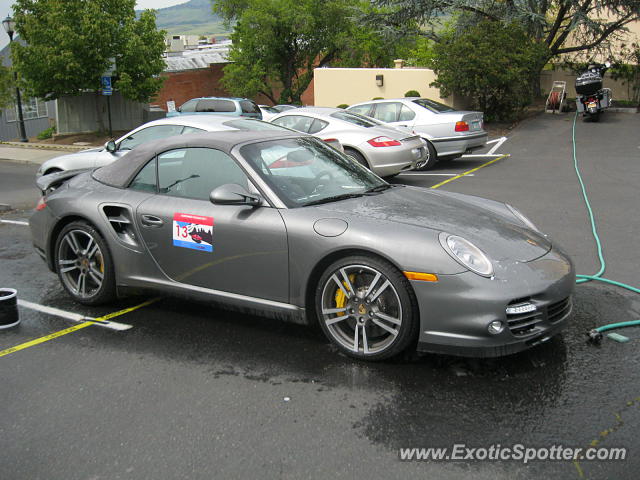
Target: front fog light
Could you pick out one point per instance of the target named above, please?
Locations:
(495, 327)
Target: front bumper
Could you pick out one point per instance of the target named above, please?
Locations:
(458, 145)
(456, 311)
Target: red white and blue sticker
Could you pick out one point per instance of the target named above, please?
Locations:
(193, 231)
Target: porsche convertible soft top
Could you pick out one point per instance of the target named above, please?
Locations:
(120, 173)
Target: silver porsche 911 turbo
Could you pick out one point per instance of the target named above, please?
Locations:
(283, 225)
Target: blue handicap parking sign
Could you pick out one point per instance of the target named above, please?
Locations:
(106, 86)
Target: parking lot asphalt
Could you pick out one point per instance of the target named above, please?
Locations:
(195, 392)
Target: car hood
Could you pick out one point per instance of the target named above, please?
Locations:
(491, 227)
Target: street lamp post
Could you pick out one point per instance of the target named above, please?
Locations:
(9, 26)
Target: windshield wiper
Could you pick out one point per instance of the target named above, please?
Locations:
(380, 188)
(334, 198)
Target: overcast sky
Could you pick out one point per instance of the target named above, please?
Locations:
(5, 9)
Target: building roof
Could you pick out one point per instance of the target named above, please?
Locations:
(196, 59)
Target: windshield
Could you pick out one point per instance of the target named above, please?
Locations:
(435, 107)
(248, 124)
(356, 119)
(304, 171)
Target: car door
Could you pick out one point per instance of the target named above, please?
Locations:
(394, 113)
(232, 248)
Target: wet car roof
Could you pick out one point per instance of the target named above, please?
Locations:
(119, 173)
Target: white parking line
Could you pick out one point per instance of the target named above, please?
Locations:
(74, 317)
(498, 142)
(15, 222)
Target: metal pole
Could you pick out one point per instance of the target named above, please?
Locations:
(23, 134)
(109, 113)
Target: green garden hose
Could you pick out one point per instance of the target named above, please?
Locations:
(595, 335)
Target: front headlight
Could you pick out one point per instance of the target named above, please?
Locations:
(467, 254)
(520, 216)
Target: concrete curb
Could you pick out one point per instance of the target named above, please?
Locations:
(22, 161)
(46, 146)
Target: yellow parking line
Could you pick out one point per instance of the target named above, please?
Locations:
(75, 328)
(470, 171)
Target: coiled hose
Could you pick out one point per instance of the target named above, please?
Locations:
(595, 335)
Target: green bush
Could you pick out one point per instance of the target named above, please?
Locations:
(495, 66)
(343, 106)
(48, 133)
(377, 98)
(412, 93)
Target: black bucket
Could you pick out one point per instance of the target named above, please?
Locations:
(8, 308)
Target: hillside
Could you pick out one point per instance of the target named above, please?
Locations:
(191, 18)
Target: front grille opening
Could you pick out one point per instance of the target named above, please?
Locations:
(557, 311)
(524, 324)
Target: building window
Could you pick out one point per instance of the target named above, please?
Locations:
(31, 108)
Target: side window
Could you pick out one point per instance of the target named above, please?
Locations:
(195, 172)
(188, 130)
(317, 125)
(295, 122)
(406, 114)
(148, 134)
(388, 111)
(248, 106)
(362, 109)
(145, 181)
(189, 106)
(215, 105)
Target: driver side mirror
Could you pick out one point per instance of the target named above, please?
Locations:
(234, 194)
(111, 146)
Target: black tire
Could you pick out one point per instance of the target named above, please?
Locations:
(384, 315)
(431, 160)
(357, 156)
(84, 264)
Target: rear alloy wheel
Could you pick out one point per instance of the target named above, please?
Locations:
(430, 160)
(357, 156)
(84, 264)
(366, 308)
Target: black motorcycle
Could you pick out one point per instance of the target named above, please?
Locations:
(592, 98)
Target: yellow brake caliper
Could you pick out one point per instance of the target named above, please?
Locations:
(341, 298)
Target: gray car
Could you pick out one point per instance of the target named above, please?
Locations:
(385, 150)
(148, 132)
(286, 226)
(449, 133)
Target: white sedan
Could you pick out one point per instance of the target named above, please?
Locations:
(155, 130)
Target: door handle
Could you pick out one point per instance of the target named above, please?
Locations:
(151, 221)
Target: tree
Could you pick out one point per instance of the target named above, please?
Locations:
(7, 88)
(475, 64)
(70, 44)
(278, 43)
(562, 26)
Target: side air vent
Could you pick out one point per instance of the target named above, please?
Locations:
(121, 222)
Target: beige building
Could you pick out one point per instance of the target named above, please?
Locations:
(336, 86)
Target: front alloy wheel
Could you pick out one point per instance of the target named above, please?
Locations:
(366, 307)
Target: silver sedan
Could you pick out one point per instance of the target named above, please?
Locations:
(382, 148)
(150, 131)
(449, 133)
